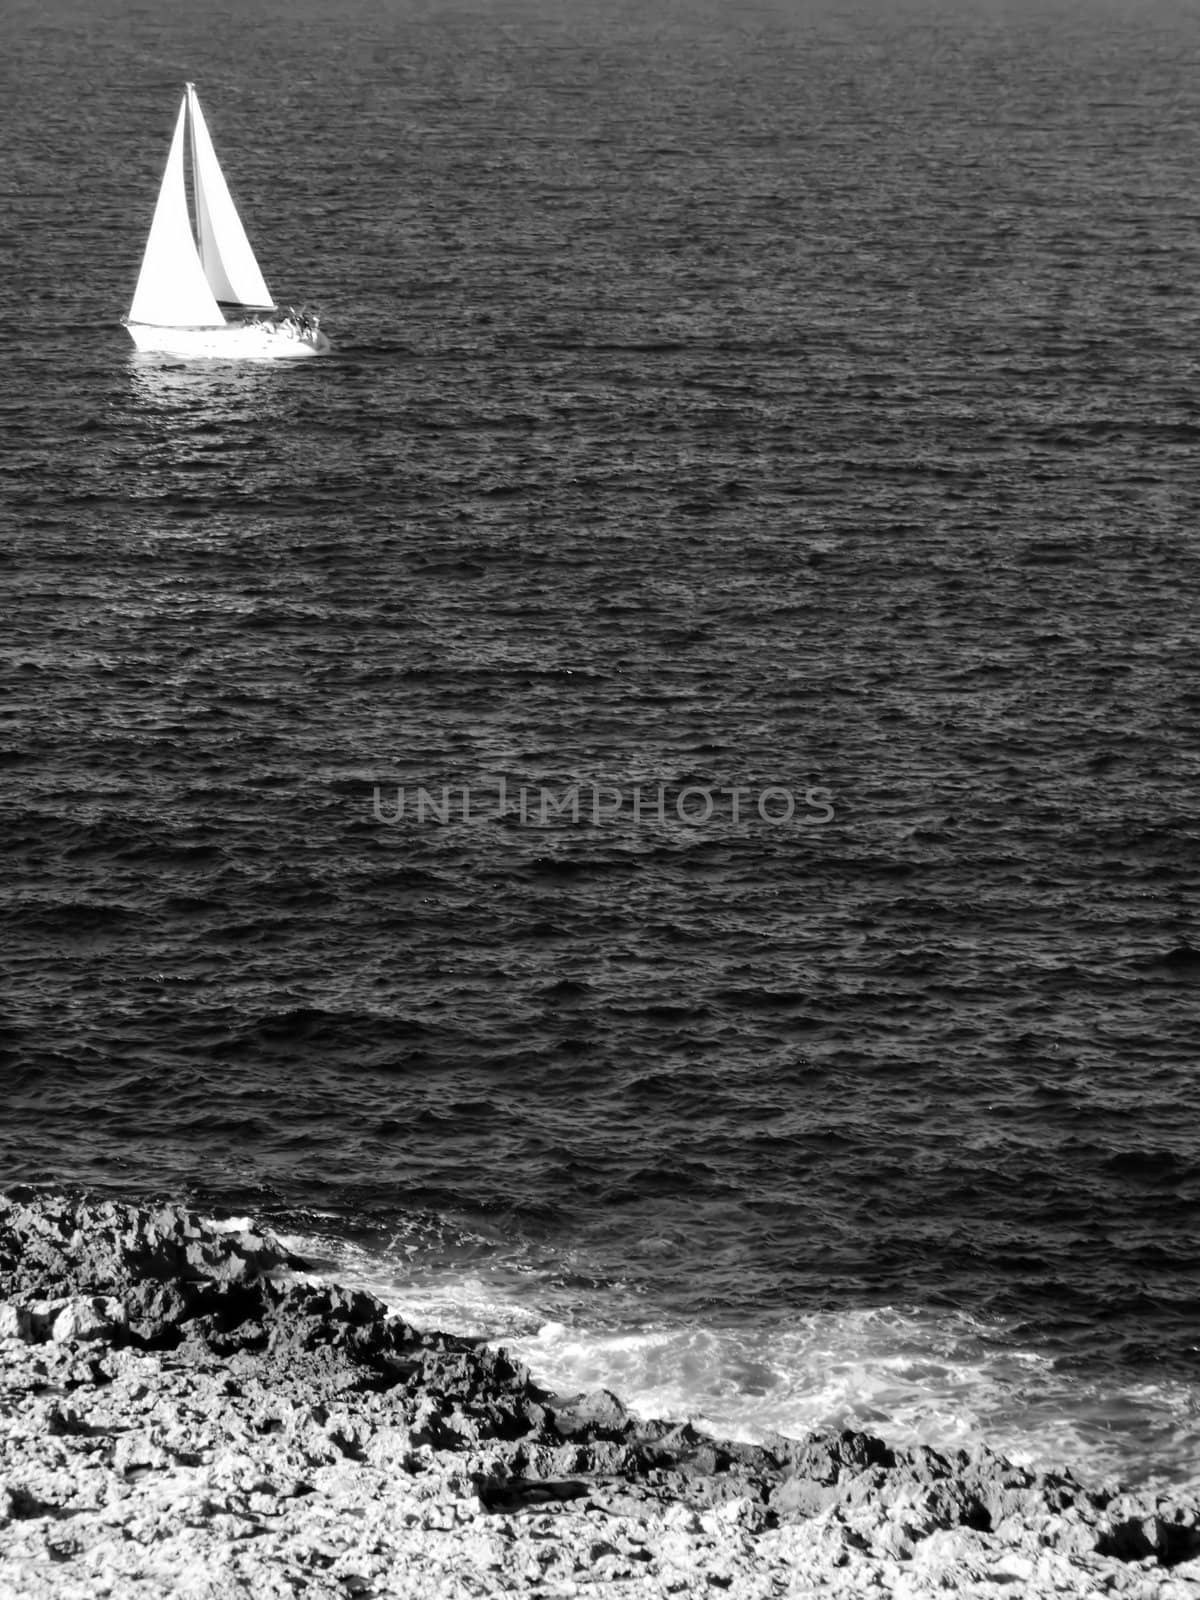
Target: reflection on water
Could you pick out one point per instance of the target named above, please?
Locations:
(219, 386)
(208, 440)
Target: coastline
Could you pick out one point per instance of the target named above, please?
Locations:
(186, 1412)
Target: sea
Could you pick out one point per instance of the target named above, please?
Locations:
(646, 808)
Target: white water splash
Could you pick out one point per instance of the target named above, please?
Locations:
(908, 1375)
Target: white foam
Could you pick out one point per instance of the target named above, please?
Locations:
(909, 1375)
(911, 1378)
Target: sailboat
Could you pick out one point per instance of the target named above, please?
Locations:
(200, 291)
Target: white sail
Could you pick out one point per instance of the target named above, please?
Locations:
(229, 262)
(186, 283)
(172, 290)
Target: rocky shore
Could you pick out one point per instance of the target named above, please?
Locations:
(186, 1413)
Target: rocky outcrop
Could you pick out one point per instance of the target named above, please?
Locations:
(186, 1413)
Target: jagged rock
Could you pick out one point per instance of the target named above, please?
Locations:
(98, 1317)
(16, 1322)
(599, 1415)
(1167, 1534)
(235, 1429)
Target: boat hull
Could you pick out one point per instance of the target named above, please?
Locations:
(232, 341)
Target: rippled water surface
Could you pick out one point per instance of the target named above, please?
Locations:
(795, 397)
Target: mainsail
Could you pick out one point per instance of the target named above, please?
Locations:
(180, 286)
(172, 289)
(229, 263)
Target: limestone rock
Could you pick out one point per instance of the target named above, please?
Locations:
(186, 1414)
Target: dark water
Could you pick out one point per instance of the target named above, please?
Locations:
(771, 397)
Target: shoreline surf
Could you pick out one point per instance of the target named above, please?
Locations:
(189, 1411)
